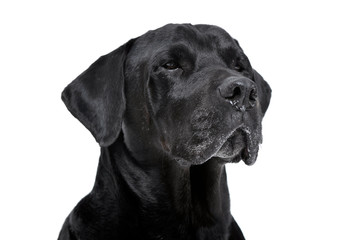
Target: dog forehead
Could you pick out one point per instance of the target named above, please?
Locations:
(196, 36)
(196, 33)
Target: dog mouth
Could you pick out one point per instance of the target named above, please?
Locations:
(242, 144)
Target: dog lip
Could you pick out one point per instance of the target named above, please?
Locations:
(245, 154)
(248, 157)
(238, 146)
(250, 152)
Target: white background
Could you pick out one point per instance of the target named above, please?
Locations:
(306, 182)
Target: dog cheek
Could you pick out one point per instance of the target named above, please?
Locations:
(200, 136)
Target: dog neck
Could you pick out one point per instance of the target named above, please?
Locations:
(189, 194)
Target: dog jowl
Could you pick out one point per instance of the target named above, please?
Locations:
(169, 109)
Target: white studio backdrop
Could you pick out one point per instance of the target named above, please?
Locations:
(306, 182)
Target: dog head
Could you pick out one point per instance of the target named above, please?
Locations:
(185, 91)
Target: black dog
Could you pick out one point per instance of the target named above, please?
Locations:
(168, 109)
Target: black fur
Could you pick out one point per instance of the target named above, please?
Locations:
(168, 109)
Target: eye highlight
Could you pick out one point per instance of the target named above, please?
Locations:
(171, 65)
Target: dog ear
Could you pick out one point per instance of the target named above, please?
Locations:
(264, 91)
(96, 97)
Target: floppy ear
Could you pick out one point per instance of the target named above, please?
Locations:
(264, 91)
(96, 97)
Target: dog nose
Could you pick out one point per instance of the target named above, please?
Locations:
(240, 92)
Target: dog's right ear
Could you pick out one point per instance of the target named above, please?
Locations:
(264, 91)
(96, 97)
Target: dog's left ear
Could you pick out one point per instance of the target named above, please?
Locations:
(264, 91)
(96, 97)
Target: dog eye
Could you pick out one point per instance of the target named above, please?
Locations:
(171, 65)
(238, 67)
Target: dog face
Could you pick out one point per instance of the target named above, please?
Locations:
(186, 92)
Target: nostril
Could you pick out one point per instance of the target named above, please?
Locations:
(253, 95)
(236, 92)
